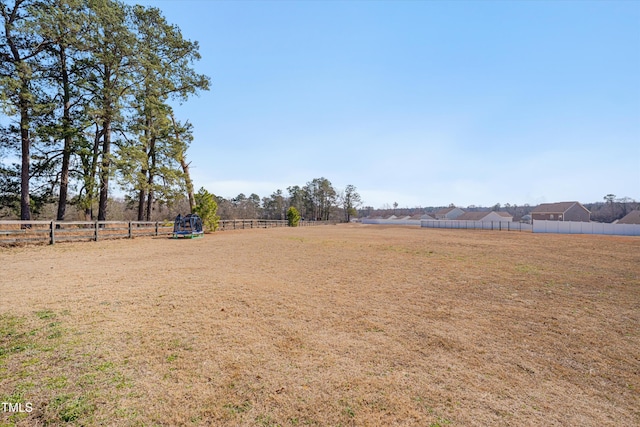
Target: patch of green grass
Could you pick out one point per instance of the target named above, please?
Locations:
(86, 380)
(45, 314)
(74, 386)
(440, 422)
(71, 408)
(266, 421)
(527, 269)
(106, 366)
(56, 382)
(349, 412)
(55, 334)
(16, 397)
(172, 358)
(120, 380)
(238, 409)
(9, 325)
(127, 413)
(17, 417)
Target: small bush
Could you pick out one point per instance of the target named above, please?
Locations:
(293, 216)
(207, 209)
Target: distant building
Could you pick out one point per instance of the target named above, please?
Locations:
(632, 217)
(449, 213)
(486, 216)
(562, 211)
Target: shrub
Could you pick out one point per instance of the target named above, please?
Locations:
(293, 216)
(207, 209)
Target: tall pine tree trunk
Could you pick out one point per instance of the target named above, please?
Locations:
(68, 138)
(25, 201)
(189, 184)
(152, 171)
(141, 198)
(185, 169)
(104, 171)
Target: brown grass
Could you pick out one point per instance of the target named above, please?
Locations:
(327, 326)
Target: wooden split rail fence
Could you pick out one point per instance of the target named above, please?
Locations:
(65, 231)
(242, 224)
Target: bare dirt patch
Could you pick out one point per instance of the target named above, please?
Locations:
(332, 325)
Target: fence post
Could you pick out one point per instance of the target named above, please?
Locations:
(95, 238)
(129, 229)
(156, 228)
(53, 233)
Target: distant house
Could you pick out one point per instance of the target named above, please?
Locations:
(562, 211)
(485, 216)
(632, 217)
(448, 213)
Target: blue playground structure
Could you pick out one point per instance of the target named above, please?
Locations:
(189, 226)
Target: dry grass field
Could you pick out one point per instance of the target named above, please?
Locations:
(346, 325)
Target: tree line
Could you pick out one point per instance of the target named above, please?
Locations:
(317, 200)
(85, 88)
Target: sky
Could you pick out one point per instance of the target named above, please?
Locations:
(420, 103)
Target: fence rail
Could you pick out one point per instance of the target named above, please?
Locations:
(67, 231)
(477, 225)
(242, 224)
(415, 222)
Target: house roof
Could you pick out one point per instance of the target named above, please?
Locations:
(555, 208)
(478, 216)
(504, 214)
(472, 216)
(445, 211)
(632, 217)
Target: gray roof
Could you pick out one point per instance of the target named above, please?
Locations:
(444, 211)
(555, 208)
(632, 217)
(472, 216)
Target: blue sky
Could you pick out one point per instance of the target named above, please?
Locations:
(422, 103)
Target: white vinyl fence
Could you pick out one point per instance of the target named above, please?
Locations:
(572, 227)
(477, 225)
(391, 221)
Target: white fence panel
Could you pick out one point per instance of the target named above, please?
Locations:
(476, 225)
(574, 227)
